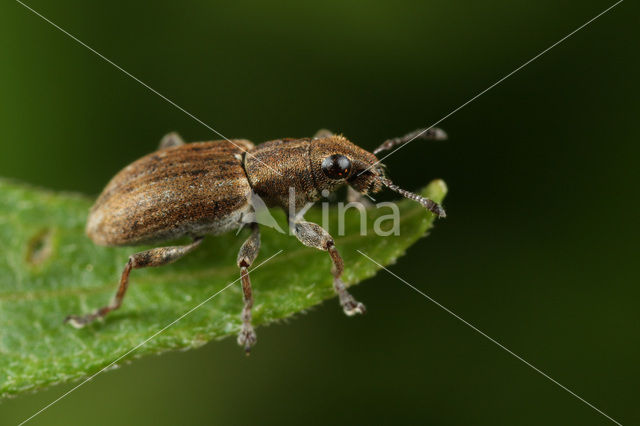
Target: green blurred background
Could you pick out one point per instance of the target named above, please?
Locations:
(539, 249)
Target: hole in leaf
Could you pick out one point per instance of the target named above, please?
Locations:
(39, 247)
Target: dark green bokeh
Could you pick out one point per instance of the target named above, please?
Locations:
(539, 249)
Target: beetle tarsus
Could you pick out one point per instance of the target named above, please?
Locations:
(350, 306)
(431, 133)
(170, 139)
(247, 254)
(247, 338)
(78, 321)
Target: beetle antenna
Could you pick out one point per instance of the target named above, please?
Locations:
(430, 133)
(430, 205)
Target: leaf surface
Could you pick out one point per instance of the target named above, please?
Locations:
(49, 268)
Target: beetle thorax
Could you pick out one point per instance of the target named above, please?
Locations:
(291, 170)
(280, 170)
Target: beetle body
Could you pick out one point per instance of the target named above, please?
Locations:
(192, 189)
(204, 188)
(207, 188)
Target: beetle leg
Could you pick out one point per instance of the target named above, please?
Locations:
(313, 235)
(154, 257)
(171, 139)
(323, 133)
(431, 133)
(247, 254)
(354, 196)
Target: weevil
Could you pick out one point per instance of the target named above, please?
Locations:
(204, 188)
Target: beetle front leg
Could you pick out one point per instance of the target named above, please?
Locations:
(313, 235)
(154, 257)
(354, 196)
(247, 254)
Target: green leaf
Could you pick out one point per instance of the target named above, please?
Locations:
(49, 268)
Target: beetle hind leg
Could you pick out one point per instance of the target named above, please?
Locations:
(154, 257)
(247, 254)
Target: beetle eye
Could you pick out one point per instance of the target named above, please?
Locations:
(336, 167)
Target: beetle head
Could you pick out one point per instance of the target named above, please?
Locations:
(335, 161)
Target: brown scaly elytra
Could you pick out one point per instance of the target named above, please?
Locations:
(191, 189)
(208, 188)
